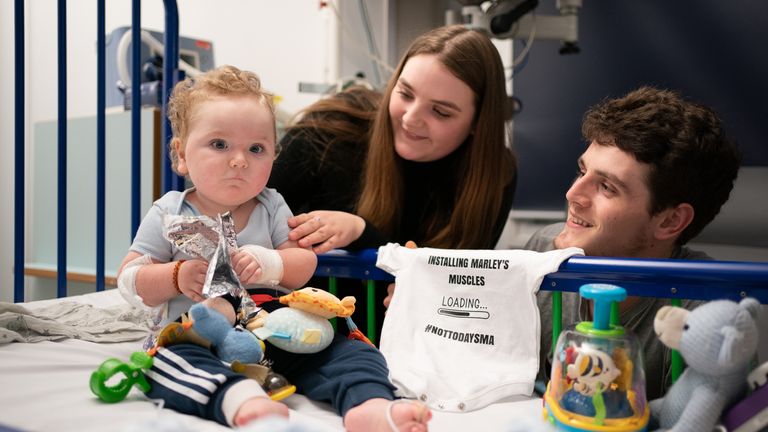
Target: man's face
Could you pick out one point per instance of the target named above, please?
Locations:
(608, 206)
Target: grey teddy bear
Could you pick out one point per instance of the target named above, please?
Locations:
(717, 340)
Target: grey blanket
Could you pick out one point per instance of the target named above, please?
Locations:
(71, 320)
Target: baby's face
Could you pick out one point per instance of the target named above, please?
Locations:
(229, 151)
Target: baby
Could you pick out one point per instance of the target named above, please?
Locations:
(224, 141)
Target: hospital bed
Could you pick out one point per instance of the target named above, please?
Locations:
(44, 386)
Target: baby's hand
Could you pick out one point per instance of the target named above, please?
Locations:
(246, 266)
(192, 278)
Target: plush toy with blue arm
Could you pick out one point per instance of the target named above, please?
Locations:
(231, 344)
(717, 340)
(239, 347)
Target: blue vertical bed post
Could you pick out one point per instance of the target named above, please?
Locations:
(171, 181)
(18, 187)
(135, 116)
(101, 147)
(61, 232)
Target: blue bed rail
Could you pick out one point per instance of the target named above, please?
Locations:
(673, 279)
(18, 163)
(662, 278)
(172, 181)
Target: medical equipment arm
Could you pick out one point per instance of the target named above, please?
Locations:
(516, 19)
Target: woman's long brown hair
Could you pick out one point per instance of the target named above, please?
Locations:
(488, 164)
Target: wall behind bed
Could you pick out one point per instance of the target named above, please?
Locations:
(286, 42)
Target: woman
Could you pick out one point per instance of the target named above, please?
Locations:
(437, 167)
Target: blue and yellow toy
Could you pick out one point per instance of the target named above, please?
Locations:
(598, 383)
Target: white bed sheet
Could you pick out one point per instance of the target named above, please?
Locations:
(44, 387)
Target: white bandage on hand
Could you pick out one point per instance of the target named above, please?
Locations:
(270, 262)
(126, 286)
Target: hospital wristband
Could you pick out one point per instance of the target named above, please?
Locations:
(176, 269)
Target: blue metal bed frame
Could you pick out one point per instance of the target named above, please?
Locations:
(660, 278)
(171, 181)
(675, 279)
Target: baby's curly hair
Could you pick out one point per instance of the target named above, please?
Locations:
(222, 81)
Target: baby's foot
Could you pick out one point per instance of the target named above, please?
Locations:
(381, 415)
(259, 407)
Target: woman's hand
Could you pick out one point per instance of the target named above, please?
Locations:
(324, 230)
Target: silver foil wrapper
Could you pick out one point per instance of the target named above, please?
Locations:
(198, 236)
(212, 241)
(221, 277)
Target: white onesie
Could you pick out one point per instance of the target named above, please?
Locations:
(463, 328)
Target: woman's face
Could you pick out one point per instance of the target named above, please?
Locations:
(431, 110)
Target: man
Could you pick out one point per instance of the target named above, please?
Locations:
(656, 171)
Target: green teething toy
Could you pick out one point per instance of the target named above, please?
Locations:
(133, 375)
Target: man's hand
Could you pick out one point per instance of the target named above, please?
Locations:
(390, 293)
(391, 287)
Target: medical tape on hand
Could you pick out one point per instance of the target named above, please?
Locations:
(126, 282)
(269, 260)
